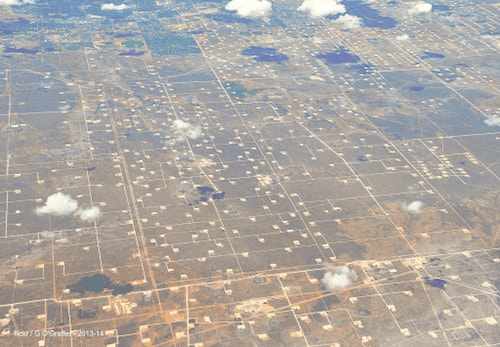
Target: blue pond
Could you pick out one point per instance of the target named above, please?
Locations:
(370, 16)
(428, 55)
(435, 282)
(97, 283)
(340, 56)
(218, 196)
(205, 190)
(265, 54)
(21, 50)
(415, 88)
(209, 192)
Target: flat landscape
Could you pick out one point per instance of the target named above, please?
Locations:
(197, 173)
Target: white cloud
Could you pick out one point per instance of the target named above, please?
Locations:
(414, 207)
(421, 7)
(349, 22)
(16, 2)
(58, 204)
(250, 8)
(402, 37)
(492, 121)
(89, 214)
(184, 129)
(321, 8)
(113, 7)
(341, 278)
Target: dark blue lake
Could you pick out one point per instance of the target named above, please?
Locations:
(428, 55)
(97, 283)
(370, 16)
(435, 282)
(21, 50)
(205, 190)
(340, 56)
(415, 88)
(265, 54)
(218, 196)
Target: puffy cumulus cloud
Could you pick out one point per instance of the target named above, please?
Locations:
(414, 207)
(341, 278)
(349, 22)
(250, 8)
(492, 121)
(402, 37)
(186, 130)
(321, 8)
(16, 2)
(58, 204)
(421, 7)
(113, 7)
(89, 214)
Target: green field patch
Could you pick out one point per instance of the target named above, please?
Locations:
(171, 44)
(237, 91)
